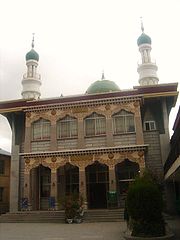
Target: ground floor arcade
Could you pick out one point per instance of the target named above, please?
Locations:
(48, 179)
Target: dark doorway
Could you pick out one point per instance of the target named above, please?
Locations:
(126, 172)
(41, 187)
(68, 181)
(97, 179)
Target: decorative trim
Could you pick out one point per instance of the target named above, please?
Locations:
(86, 151)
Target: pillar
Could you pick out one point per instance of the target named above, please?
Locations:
(109, 133)
(53, 142)
(82, 185)
(138, 124)
(112, 178)
(54, 188)
(81, 143)
(27, 143)
(27, 188)
(141, 163)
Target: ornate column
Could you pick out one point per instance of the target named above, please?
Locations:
(141, 162)
(138, 124)
(27, 143)
(54, 188)
(82, 185)
(27, 188)
(109, 131)
(81, 132)
(53, 143)
(109, 127)
(112, 178)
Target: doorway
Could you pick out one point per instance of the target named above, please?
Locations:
(126, 172)
(97, 180)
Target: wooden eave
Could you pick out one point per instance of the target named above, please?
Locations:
(87, 151)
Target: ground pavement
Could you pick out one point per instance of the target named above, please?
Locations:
(83, 231)
(55, 231)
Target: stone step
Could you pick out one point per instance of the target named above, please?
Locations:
(104, 215)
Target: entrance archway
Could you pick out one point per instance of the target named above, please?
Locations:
(41, 187)
(97, 180)
(126, 172)
(67, 180)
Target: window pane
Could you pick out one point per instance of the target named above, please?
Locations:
(73, 128)
(100, 126)
(152, 125)
(90, 127)
(130, 124)
(41, 129)
(119, 124)
(67, 127)
(147, 126)
(64, 129)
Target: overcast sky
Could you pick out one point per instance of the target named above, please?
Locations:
(77, 39)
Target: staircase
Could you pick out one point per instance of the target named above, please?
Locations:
(104, 215)
(100, 215)
(33, 217)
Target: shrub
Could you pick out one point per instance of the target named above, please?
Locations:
(144, 207)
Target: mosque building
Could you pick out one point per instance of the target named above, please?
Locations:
(92, 144)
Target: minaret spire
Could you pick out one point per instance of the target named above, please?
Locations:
(33, 40)
(142, 26)
(103, 77)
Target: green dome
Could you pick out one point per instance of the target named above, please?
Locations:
(143, 39)
(102, 86)
(32, 55)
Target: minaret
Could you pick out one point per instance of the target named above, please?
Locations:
(147, 69)
(31, 80)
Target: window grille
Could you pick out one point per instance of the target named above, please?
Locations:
(149, 125)
(95, 124)
(123, 122)
(67, 127)
(41, 130)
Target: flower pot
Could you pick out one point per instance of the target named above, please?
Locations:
(69, 220)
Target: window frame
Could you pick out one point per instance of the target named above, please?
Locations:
(70, 120)
(95, 118)
(125, 114)
(42, 123)
(149, 122)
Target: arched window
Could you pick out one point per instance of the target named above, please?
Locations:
(67, 127)
(123, 122)
(41, 129)
(95, 124)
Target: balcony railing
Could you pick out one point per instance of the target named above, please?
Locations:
(36, 76)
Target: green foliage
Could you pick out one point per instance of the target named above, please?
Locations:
(72, 205)
(144, 207)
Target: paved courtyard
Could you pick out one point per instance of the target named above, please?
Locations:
(83, 231)
(54, 231)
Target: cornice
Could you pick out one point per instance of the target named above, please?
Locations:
(87, 151)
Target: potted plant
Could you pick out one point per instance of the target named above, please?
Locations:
(74, 210)
(70, 211)
(144, 205)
